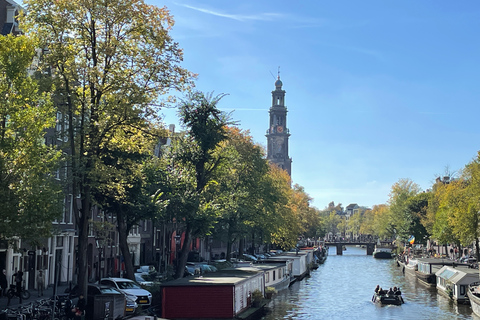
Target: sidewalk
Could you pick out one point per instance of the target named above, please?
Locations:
(47, 293)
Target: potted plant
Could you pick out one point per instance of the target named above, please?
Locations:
(257, 297)
(269, 292)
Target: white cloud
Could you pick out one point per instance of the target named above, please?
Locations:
(268, 16)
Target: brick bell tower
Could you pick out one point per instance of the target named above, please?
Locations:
(278, 133)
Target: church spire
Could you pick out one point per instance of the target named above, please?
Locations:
(278, 133)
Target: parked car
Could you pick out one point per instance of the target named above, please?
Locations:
(468, 259)
(249, 257)
(127, 286)
(146, 269)
(139, 278)
(200, 268)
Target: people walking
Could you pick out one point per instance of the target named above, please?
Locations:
(18, 283)
(3, 283)
(40, 283)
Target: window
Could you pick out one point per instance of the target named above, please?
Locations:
(273, 275)
(58, 127)
(59, 241)
(64, 211)
(267, 277)
(70, 211)
(65, 128)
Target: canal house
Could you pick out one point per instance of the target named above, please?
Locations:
(453, 282)
(224, 294)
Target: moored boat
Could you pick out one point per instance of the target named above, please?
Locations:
(454, 282)
(382, 252)
(473, 294)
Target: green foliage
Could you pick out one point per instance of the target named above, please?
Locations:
(112, 61)
(400, 217)
(31, 198)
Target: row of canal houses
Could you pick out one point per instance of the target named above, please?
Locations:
(459, 282)
(228, 293)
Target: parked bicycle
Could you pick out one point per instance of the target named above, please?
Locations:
(42, 310)
(12, 292)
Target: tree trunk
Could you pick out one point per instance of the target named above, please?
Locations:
(241, 245)
(477, 248)
(83, 242)
(229, 244)
(229, 250)
(183, 257)
(123, 244)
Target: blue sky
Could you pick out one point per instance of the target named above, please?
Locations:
(376, 91)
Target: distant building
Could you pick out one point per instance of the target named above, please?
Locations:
(278, 133)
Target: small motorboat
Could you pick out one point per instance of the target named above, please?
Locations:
(386, 299)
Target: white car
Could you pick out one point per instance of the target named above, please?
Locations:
(129, 287)
(139, 279)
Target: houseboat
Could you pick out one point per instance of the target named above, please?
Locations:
(275, 274)
(382, 252)
(408, 264)
(453, 282)
(299, 263)
(223, 294)
(427, 267)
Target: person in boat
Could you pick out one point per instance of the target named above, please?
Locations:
(398, 293)
(377, 289)
(390, 292)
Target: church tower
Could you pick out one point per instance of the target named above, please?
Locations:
(278, 133)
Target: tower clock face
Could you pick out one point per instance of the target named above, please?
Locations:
(279, 129)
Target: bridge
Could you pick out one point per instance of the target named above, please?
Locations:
(369, 245)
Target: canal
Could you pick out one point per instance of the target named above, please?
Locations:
(342, 288)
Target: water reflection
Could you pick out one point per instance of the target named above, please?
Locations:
(342, 288)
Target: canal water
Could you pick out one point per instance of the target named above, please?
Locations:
(343, 286)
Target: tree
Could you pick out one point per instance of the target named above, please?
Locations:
(382, 221)
(439, 208)
(416, 207)
(240, 188)
(367, 224)
(123, 188)
(308, 217)
(30, 196)
(112, 60)
(400, 217)
(354, 223)
(333, 220)
(463, 199)
(193, 167)
(278, 219)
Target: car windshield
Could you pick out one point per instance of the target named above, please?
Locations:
(127, 285)
(109, 291)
